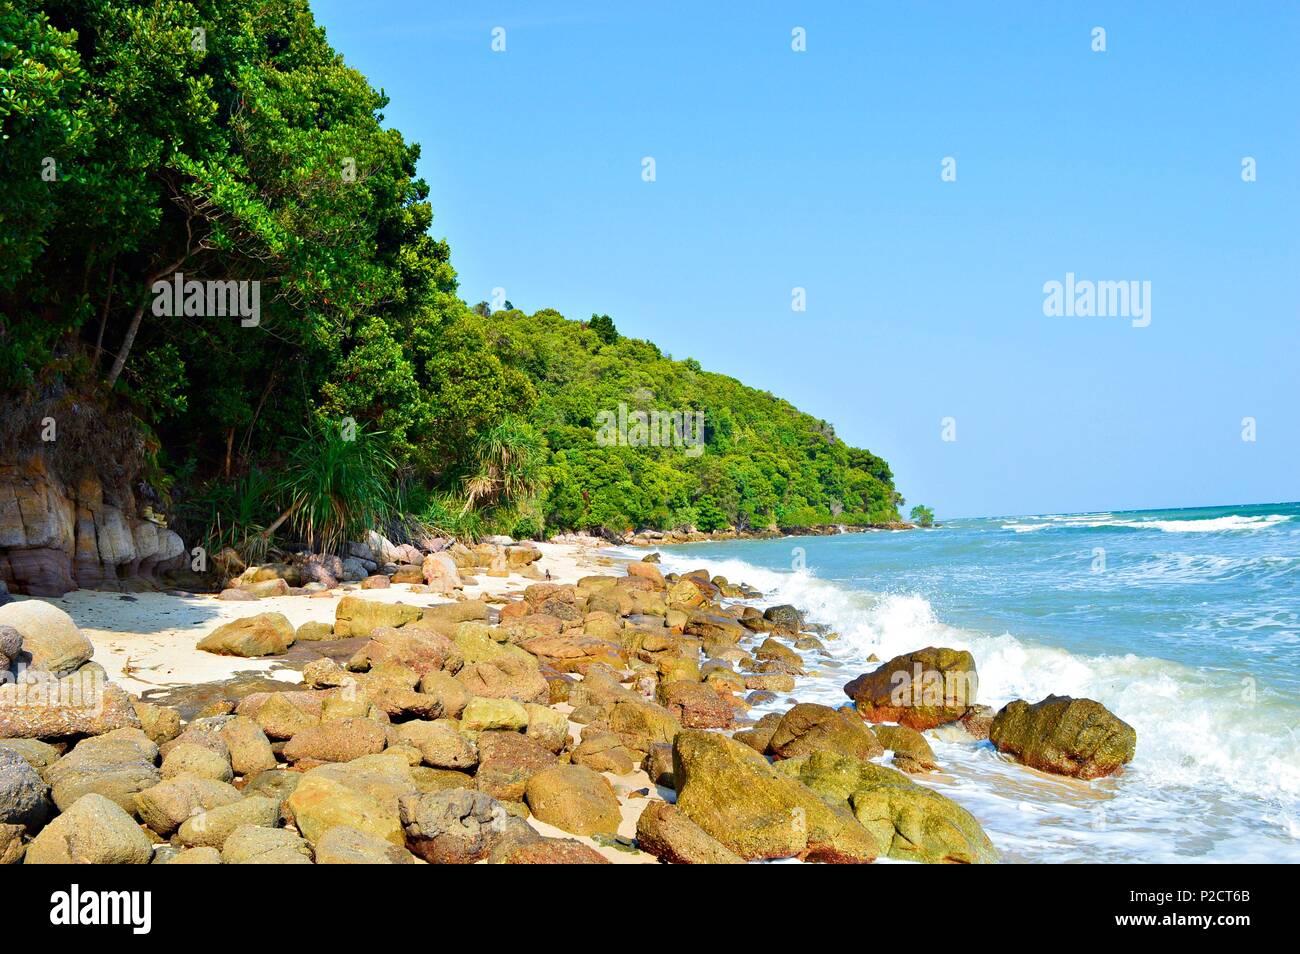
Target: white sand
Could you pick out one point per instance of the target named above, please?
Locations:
(147, 641)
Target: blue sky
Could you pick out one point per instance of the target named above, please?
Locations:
(821, 169)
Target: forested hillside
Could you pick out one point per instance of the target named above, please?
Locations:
(225, 140)
(762, 462)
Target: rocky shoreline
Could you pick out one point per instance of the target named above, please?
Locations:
(591, 718)
(653, 538)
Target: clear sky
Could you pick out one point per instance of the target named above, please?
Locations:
(822, 169)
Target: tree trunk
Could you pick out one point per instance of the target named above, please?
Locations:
(120, 361)
(103, 315)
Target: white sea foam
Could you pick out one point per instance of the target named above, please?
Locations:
(1213, 524)
(1204, 750)
(1232, 522)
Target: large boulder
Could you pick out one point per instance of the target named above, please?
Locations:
(921, 690)
(663, 831)
(483, 714)
(422, 650)
(784, 618)
(647, 571)
(573, 798)
(24, 796)
(357, 617)
(51, 641)
(695, 704)
(506, 677)
(507, 760)
(603, 752)
(546, 851)
(715, 628)
(916, 823)
(282, 715)
(320, 803)
(266, 634)
(164, 806)
(264, 845)
(39, 755)
(731, 791)
(808, 727)
(641, 724)
(546, 726)
(250, 750)
(115, 765)
(439, 744)
(912, 754)
(449, 696)
(348, 846)
(94, 830)
(160, 723)
(909, 821)
(1078, 737)
(82, 703)
(457, 826)
(440, 573)
(337, 740)
(198, 761)
(212, 827)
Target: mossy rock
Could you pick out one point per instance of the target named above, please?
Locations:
(1065, 736)
(912, 753)
(910, 822)
(730, 791)
(357, 617)
(266, 634)
(922, 689)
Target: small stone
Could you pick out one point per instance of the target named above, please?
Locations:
(348, 846)
(190, 759)
(575, 799)
(264, 845)
(482, 714)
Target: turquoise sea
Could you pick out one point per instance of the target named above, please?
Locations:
(1185, 623)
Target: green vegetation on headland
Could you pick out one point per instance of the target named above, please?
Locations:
(228, 142)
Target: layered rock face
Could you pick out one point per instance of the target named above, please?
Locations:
(55, 538)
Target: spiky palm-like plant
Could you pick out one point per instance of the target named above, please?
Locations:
(337, 485)
(507, 465)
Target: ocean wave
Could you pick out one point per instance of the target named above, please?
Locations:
(1208, 733)
(1207, 568)
(1212, 524)
(1227, 524)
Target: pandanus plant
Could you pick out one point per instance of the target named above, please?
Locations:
(507, 465)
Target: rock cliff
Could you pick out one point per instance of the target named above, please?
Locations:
(55, 538)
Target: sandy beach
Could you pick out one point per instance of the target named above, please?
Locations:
(146, 643)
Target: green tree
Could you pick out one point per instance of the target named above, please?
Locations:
(922, 516)
(603, 325)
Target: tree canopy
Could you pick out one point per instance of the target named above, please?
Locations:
(225, 140)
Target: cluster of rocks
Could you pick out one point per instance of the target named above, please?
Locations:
(505, 731)
(935, 686)
(436, 566)
(652, 538)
